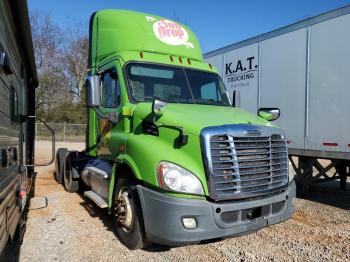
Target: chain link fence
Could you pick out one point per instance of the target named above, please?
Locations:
(63, 132)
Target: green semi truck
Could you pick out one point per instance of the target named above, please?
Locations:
(167, 153)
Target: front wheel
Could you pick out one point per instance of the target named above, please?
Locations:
(128, 216)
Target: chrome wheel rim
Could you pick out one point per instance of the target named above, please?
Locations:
(123, 210)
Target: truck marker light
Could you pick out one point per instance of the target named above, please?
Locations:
(189, 222)
(171, 58)
(211, 67)
(180, 60)
(141, 54)
(330, 144)
(189, 61)
(348, 145)
(22, 194)
(160, 176)
(127, 111)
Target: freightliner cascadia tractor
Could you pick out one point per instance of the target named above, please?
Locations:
(167, 153)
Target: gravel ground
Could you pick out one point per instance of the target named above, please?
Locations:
(63, 227)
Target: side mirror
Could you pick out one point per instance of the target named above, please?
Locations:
(157, 105)
(93, 91)
(93, 98)
(269, 114)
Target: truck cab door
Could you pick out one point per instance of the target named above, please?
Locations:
(107, 131)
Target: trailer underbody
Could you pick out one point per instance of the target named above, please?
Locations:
(312, 170)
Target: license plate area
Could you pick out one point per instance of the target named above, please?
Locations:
(226, 217)
(252, 213)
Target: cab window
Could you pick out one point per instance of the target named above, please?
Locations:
(209, 92)
(110, 90)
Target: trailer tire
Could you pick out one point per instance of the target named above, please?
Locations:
(70, 184)
(59, 164)
(132, 237)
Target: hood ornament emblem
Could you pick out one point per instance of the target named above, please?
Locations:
(253, 132)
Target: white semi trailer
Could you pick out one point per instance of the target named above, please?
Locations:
(304, 69)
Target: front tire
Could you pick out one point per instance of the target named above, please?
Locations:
(128, 215)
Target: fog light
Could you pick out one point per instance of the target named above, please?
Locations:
(189, 222)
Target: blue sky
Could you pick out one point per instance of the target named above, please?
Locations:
(217, 23)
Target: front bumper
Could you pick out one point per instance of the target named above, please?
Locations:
(163, 216)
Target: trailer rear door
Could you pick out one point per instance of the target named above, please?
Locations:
(329, 110)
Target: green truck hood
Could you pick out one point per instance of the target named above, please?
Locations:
(194, 117)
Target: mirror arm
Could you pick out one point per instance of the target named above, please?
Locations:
(158, 105)
(183, 138)
(113, 120)
(53, 142)
(98, 112)
(234, 99)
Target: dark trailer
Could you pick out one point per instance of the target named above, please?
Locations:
(18, 79)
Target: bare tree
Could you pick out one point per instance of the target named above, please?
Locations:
(75, 63)
(61, 59)
(47, 42)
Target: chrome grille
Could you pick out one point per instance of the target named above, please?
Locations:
(242, 166)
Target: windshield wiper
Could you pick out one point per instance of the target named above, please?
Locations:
(210, 102)
(168, 99)
(150, 98)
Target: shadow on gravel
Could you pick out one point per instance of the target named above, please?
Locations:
(95, 211)
(156, 248)
(328, 193)
(11, 252)
(159, 248)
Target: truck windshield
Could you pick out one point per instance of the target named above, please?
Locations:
(175, 85)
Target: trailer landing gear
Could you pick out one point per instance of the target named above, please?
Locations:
(343, 169)
(310, 170)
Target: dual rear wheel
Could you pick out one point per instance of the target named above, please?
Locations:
(64, 172)
(59, 164)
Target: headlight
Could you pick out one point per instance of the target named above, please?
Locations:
(291, 172)
(176, 178)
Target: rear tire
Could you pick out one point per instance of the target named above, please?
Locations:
(59, 164)
(128, 225)
(70, 184)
